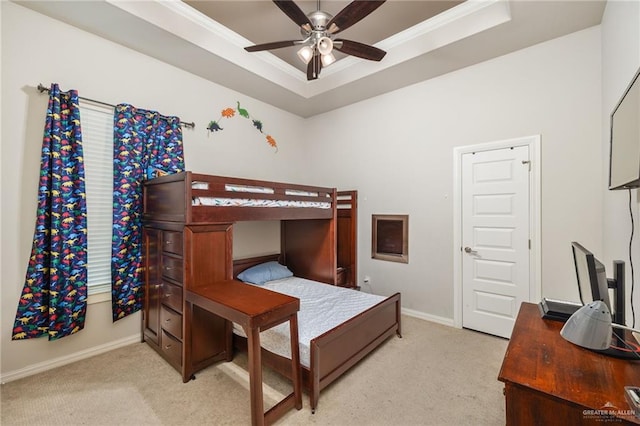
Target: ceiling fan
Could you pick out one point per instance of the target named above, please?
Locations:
(318, 31)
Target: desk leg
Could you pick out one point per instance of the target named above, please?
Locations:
(255, 376)
(295, 361)
(228, 330)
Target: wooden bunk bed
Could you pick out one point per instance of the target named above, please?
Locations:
(188, 237)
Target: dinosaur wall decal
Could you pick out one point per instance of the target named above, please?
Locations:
(214, 125)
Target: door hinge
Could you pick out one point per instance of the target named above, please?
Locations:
(529, 244)
(528, 163)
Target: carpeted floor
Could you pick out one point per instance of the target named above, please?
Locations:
(434, 375)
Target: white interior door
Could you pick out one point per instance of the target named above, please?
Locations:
(495, 238)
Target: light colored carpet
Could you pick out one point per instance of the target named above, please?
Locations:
(434, 375)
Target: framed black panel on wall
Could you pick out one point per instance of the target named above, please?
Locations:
(390, 237)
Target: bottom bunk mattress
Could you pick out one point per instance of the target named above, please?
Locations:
(322, 307)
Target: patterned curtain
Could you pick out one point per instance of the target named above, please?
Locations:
(146, 144)
(54, 297)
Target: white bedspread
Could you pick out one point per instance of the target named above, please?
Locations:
(249, 202)
(322, 307)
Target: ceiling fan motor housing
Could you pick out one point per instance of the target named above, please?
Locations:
(319, 20)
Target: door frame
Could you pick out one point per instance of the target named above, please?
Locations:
(535, 264)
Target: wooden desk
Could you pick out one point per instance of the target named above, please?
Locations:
(255, 309)
(550, 381)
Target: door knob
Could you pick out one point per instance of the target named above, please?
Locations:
(469, 250)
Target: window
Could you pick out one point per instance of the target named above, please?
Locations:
(97, 138)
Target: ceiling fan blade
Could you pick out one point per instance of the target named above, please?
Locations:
(272, 45)
(360, 50)
(352, 13)
(294, 13)
(314, 67)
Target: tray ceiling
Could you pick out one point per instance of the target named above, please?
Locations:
(423, 39)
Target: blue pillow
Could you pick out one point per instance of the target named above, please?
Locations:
(264, 272)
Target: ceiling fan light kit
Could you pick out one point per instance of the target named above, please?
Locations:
(325, 45)
(305, 54)
(328, 59)
(318, 30)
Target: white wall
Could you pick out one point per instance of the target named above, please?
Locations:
(620, 62)
(37, 49)
(397, 150)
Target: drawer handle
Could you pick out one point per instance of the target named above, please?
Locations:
(167, 320)
(168, 268)
(167, 347)
(168, 242)
(168, 295)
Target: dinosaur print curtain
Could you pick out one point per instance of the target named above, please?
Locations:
(54, 296)
(146, 144)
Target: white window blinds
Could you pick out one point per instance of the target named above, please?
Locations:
(97, 138)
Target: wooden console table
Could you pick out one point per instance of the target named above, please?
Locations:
(550, 381)
(255, 309)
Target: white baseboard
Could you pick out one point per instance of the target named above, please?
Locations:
(68, 359)
(428, 317)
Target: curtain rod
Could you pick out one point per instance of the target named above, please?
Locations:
(43, 89)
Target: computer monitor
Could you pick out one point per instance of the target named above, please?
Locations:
(592, 276)
(593, 284)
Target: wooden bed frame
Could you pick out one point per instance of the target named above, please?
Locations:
(169, 198)
(308, 235)
(337, 350)
(189, 245)
(347, 240)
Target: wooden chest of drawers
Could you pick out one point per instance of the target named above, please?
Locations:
(173, 253)
(549, 381)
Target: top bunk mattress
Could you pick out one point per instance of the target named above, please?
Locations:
(322, 307)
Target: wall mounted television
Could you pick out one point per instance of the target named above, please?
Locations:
(624, 160)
